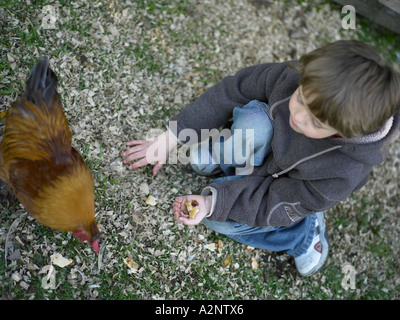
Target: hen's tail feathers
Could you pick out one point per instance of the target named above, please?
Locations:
(36, 127)
(41, 85)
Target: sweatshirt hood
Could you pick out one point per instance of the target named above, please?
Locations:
(371, 149)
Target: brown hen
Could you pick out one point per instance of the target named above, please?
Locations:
(46, 174)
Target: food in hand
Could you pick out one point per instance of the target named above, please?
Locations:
(193, 208)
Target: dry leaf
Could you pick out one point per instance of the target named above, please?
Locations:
(227, 262)
(253, 264)
(132, 265)
(60, 261)
(151, 201)
(211, 246)
(10, 57)
(49, 280)
(190, 258)
(16, 277)
(220, 246)
(248, 248)
(144, 188)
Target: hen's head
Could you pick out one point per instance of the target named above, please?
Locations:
(89, 233)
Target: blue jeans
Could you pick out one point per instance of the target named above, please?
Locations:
(294, 239)
(252, 132)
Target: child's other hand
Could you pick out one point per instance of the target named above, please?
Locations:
(180, 207)
(150, 151)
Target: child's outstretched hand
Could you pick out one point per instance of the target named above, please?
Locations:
(150, 151)
(204, 204)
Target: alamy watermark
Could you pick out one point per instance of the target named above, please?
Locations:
(349, 20)
(50, 16)
(349, 279)
(230, 147)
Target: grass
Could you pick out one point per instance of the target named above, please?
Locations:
(202, 278)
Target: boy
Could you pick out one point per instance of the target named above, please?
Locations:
(317, 133)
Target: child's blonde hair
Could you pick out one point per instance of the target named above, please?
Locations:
(353, 90)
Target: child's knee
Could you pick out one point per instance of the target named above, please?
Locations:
(254, 116)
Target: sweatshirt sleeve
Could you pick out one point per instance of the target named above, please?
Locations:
(262, 201)
(257, 201)
(214, 108)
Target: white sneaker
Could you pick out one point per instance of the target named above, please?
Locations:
(313, 260)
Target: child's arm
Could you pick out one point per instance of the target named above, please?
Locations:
(204, 204)
(150, 151)
(213, 109)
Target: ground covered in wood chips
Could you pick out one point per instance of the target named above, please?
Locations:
(125, 67)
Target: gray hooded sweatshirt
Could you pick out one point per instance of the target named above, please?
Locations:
(300, 175)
